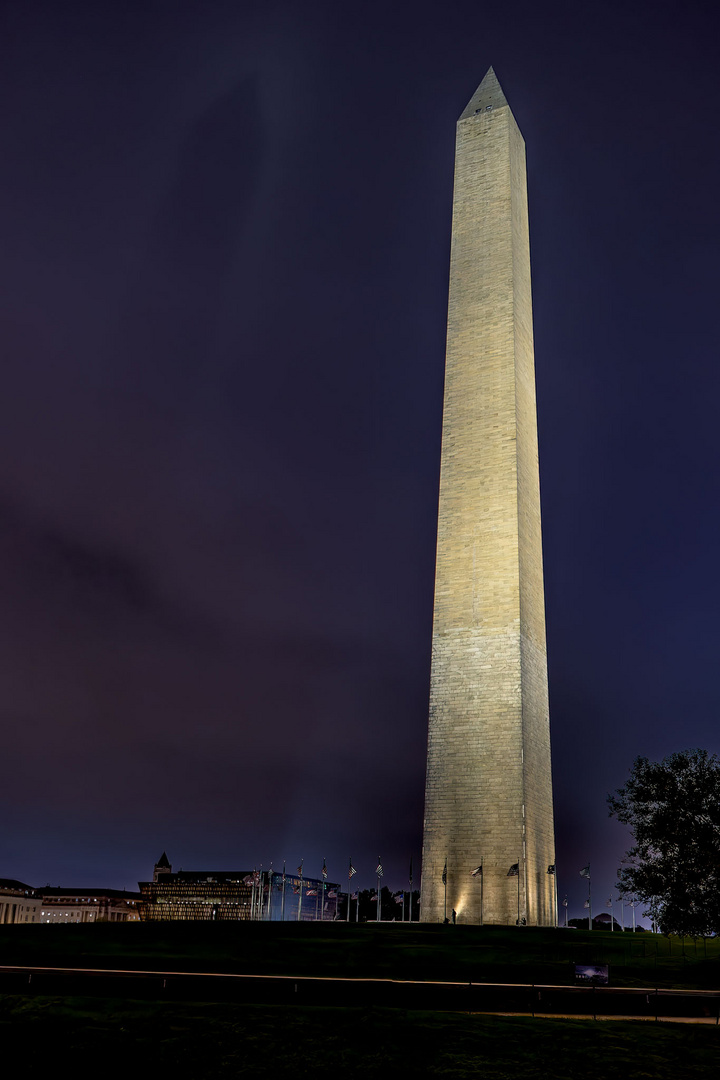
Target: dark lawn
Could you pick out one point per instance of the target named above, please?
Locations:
(460, 953)
(112, 1038)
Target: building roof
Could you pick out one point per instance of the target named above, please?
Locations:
(16, 886)
(232, 877)
(83, 893)
(213, 877)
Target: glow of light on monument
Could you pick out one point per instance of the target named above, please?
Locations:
(488, 782)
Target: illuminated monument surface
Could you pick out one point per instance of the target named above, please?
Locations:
(488, 803)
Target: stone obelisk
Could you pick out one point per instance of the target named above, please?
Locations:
(488, 833)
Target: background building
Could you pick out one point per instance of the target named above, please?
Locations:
(88, 905)
(234, 895)
(18, 902)
(202, 895)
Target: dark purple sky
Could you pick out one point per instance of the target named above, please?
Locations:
(224, 243)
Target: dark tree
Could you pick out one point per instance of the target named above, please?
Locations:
(672, 808)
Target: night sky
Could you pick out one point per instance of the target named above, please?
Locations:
(224, 250)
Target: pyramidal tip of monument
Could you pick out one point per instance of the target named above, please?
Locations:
(488, 96)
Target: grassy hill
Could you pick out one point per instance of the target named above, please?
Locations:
(391, 950)
(214, 1040)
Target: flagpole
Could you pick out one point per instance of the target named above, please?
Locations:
(324, 874)
(300, 893)
(444, 880)
(518, 877)
(525, 889)
(411, 892)
(482, 886)
(585, 872)
(282, 902)
(590, 926)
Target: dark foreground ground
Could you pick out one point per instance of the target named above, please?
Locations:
(389, 950)
(47, 1036)
(48, 1033)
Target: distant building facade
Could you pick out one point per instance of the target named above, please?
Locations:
(204, 896)
(19, 903)
(235, 896)
(88, 905)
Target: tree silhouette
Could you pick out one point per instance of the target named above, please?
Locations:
(672, 808)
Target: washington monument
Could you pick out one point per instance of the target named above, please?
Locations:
(488, 844)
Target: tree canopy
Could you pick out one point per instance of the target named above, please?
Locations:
(672, 808)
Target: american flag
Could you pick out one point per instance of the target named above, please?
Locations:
(514, 870)
(354, 896)
(351, 870)
(379, 868)
(296, 890)
(476, 871)
(332, 895)
(299, 869)
(399, 898)
(551, 868)
(311, 892)
(324, 869)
